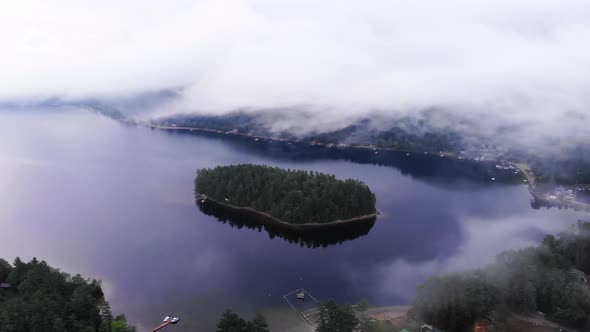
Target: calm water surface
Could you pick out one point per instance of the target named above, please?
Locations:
(90, 195)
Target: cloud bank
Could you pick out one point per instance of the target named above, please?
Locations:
(510, 63)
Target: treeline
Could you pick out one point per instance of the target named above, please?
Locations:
(403, 134)
(410, 137)
(294, 196)
(334, 317)
(241, 122)
(36, 297)
(570, 166)
(231, 322)
(548, 278)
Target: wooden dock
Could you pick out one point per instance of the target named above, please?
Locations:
(310, 314)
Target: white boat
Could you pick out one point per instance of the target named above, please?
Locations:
(172, 320)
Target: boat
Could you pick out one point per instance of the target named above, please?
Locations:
(300, 295)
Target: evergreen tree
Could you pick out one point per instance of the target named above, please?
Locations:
(44, 299)
(534, 279)
(258, 324)
(231, 322)
(292, 196)
(336, 318)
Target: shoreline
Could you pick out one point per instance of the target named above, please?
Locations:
(278, 139)
(568, 204)
(539, 196)
(521, 166)
(297, 227)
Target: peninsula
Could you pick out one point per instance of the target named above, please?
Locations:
(289, 197)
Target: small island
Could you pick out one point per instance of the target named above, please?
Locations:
(297, 198)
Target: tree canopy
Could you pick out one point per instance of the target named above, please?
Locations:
(543, 278)
(231, 322)
(403, 134)
(334, 317)
(41, 298)
(293, 196)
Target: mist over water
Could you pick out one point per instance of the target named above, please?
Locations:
(114, 202)
(515, 71)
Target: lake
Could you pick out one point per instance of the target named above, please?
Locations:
(115, 202)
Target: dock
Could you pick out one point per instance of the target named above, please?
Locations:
(308, 309)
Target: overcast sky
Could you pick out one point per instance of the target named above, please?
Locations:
(513, 60)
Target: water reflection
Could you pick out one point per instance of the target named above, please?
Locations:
(310, 238)
(116, 203)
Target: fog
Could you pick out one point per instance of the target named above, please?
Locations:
(114, 202)
(500, 64)
(483, 240)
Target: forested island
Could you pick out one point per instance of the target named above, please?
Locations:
(36, 297)
(295, 197)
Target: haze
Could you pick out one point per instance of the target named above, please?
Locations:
(500, 63)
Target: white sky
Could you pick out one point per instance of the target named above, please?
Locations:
(515, 60)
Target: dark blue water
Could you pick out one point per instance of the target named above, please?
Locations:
(113, 202)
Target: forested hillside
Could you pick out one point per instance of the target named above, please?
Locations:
(403, 134)
(546, 278)
(569, 166)
(294, 196)
(35, 297)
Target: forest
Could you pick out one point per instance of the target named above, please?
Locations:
(292, 196)
(403, 134)
(232, 322)
(570, 166)
(36, 297)
(548, 278)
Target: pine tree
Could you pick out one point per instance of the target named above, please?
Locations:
(336, 318)
(290, 195)
(258, 324)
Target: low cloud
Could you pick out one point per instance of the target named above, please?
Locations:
(483, 240)
(501, 64)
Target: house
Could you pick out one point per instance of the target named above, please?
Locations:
(426, 328)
